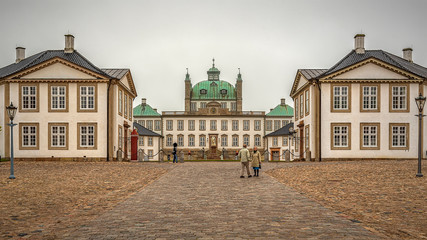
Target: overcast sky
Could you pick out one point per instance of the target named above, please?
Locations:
(268, 39)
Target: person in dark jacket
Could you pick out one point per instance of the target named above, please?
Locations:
(175, 158)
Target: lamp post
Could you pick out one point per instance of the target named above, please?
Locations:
(420, 100)
(11, 111)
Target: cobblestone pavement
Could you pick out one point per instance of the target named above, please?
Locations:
(209, 201)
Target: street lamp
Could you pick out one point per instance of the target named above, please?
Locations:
(11, 111)
(420, 100)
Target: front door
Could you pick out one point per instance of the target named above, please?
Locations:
(213, 141)
(275, 154)
(301, 143)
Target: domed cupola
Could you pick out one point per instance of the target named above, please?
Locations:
(213, 72)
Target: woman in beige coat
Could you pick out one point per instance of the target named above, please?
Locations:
(256, 162)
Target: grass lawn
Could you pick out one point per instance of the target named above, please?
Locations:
(383, 196)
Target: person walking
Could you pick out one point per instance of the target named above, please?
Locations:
(244, 159)
(175, 158)
(256, 162)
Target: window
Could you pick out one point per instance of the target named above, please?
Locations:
(341, 136)
(191, 140)
(307, 102)
(158, 125)
(369, 136)
(257, 124)
(202, 125)
(150, 124)
(58, 136)
(307, 137)
(180, 140)
(276, 125)
(246, 139)
(224, 125)
(202, 140)
(235, 141)
(191, 125)
(341, 98)
(150, 141)
(130, 108)
(399, 136)
(285, 141)
(87, 135)
(141, 122)
(275, 141)
(257, 140)
(213, 125)
(223, 91)
(29, 95)
(193, 107)
(301, 100)
(224, 140)
(369, 98)
(399, 98)
(246, 125)
(141, 140)
(126, 105)
(203, 91)
(233, 106)
(120, 135)
(285, 122)
(296, 108)
(268, 124)
(223, 105)
(87, 98)
(29, 136)
(203, 105)
(297, 142)
(150, 154)
(58, 98)
(169, 125)
(120, 102)
(169, 140)
(180, 125)
(235, 125)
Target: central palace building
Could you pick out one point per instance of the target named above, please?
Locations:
(213, 124)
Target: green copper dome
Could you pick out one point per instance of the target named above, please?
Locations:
(210, 90)
(139, 111)
(282, 110)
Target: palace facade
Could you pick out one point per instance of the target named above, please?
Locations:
(68, 108)
(213, 124)
(363, 107)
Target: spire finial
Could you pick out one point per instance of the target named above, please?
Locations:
(213, 62)
(187, 76)
(239, 70)
(187, 70)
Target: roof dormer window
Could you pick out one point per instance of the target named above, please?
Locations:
(223, 91)
(203, 91)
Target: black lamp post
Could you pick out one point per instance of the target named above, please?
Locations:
(420, 100)
(11, 111)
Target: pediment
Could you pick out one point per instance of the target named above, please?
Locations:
(57, 70)
(127, 82)
(299, 82)
(371, 70)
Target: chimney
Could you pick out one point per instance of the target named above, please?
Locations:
(20, 54)
(155, 109)
(143, 102)
(407, 54)
(283, 102)
(69, 43)
(359, 43)
(271, 109)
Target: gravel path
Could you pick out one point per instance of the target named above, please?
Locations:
(209, 200)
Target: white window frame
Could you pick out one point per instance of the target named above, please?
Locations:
(202, 141)
(213, 125)
(169, 125)
(246, 125)
(58, 135)
(369, 99)
(191, 125)
(87, 98)
(29, 97)
(202, 125)
(224, 125)
(341, 97)
(235, 125)
(257, 124)
(58, 97)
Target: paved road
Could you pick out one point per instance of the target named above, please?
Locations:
(209, 201)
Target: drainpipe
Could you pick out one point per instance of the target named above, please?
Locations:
(320, 120)
(108, 120)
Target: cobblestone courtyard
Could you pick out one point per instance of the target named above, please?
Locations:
(209, 200)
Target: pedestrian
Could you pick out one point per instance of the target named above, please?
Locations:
(175, 158)
(256, 162)
(244, 159)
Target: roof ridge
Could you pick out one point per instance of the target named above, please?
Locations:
(91, 64)
(338, 63)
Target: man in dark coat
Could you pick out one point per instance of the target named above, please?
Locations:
(175, 158)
